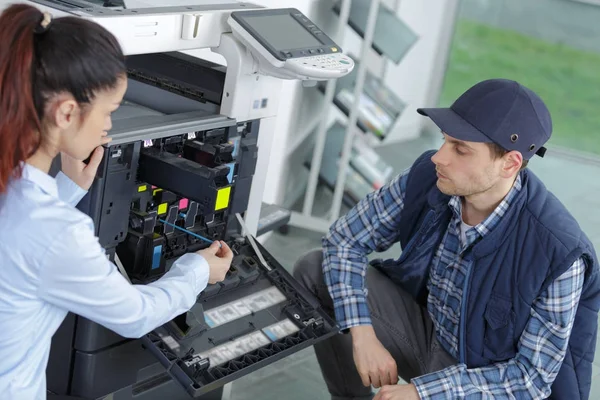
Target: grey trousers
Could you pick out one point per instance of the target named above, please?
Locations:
(401, 325)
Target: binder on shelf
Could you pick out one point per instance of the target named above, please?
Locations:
(369, 164)
(392, 39)
(378, 108)
(366, 171)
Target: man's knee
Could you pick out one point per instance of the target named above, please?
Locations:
(308, 269)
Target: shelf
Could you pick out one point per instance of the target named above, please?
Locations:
(366, 170)
(348, 199)
(340, 105)
(392, 39)
(377, 114)
(272, 217)
(379, 106)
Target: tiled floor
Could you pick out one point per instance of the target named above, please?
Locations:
(575, 181)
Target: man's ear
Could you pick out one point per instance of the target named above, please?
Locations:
(511, 165)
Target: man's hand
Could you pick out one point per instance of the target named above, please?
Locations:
(398, 392)
(218, 259)
(374, 363)
(83, 175)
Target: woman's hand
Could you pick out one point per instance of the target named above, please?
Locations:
(80, 173)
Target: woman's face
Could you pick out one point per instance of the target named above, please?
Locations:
(90, 129)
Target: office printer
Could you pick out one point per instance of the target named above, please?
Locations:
(186, 165)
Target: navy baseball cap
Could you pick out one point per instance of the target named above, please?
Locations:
(499, 111)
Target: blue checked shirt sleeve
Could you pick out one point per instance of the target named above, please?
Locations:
(372, 225)
(541, 351)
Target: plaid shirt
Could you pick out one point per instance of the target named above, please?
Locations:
(371, 226)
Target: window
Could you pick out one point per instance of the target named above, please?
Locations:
(550, 46)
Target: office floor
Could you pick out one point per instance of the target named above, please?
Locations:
(298, 377)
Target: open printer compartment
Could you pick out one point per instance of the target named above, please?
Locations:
(248, 321)
(174, 172)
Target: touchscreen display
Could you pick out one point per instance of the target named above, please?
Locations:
(282, 32)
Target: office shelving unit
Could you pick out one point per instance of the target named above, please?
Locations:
(367, 107)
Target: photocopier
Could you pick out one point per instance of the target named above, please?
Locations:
(186, 164)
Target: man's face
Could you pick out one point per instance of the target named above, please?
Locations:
(466, 168)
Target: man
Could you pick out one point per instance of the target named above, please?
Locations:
(496, 292)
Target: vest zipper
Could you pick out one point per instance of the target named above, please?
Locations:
(462, 350)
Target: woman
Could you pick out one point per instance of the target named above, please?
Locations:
(59, 83)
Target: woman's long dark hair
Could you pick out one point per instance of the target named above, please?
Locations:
(70, 55)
